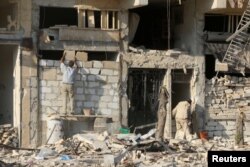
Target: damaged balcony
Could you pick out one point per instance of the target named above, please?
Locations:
(80, 38)
(74, 29)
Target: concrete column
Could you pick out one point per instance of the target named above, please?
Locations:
(123, 17)
(168, 124)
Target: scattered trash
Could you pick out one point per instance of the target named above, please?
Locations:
(65, 157)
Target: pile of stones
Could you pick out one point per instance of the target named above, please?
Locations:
(8, 135)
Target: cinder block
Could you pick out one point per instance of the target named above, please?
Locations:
(78, 77)
(57, 63)
(50, 63)
(89, 104)
(84, 71)
(82, 56)
(113, 79)
(107, 72)
(46, 103)
(56, 89)
(45, 89)
(212, 123)
(95, 98)
(70, 55)
(88, 64)
(90, 91)
(210, 128)
(106, 111)
(42, 63)
(101, 78)
(231, 123)
(79, 91)
(94, 71)
(106, 98)
(116, 99)
(42, 83)
(78, 84)
(79, 104)
(111, 92)
(80, 97)
(52, 83)
(111, 65)
(116, 72)
(113, 105)
(102, 105)
(97, 64)
(93, 84)
(50, 96)
(49, 74)
(91, 78)
(217, 133)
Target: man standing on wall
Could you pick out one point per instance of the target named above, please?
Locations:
(69, 73)
(182, 114)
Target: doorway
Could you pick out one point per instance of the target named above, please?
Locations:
(181, 89)
(143, 89)
(8, 71)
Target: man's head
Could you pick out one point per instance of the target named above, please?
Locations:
(71, 63)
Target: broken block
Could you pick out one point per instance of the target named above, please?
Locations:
(221, 66)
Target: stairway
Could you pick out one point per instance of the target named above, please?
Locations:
(239, 41)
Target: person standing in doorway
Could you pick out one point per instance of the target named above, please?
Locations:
(182, 114)
(69, 72)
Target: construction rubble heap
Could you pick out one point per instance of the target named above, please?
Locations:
(101, 149)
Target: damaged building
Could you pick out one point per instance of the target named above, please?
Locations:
(126, 51)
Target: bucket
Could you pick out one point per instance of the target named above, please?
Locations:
(203, 135)
(54, 131)
(87, 112)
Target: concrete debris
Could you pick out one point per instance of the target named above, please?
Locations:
(8, 135)
(158, 59)
(119, 150)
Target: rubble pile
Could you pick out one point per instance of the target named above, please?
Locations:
(121, 150)
(8, 135)
(139, 57)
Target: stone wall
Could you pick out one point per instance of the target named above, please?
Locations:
(223, 98)
(96, 87)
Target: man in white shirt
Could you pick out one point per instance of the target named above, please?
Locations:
(69, 73)
(182, 114)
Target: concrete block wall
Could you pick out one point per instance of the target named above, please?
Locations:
(96, 87)
(223, 98)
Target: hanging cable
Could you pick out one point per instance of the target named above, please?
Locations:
(168, 22)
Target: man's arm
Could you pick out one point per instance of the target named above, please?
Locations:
(63, 58)
(75, 59)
